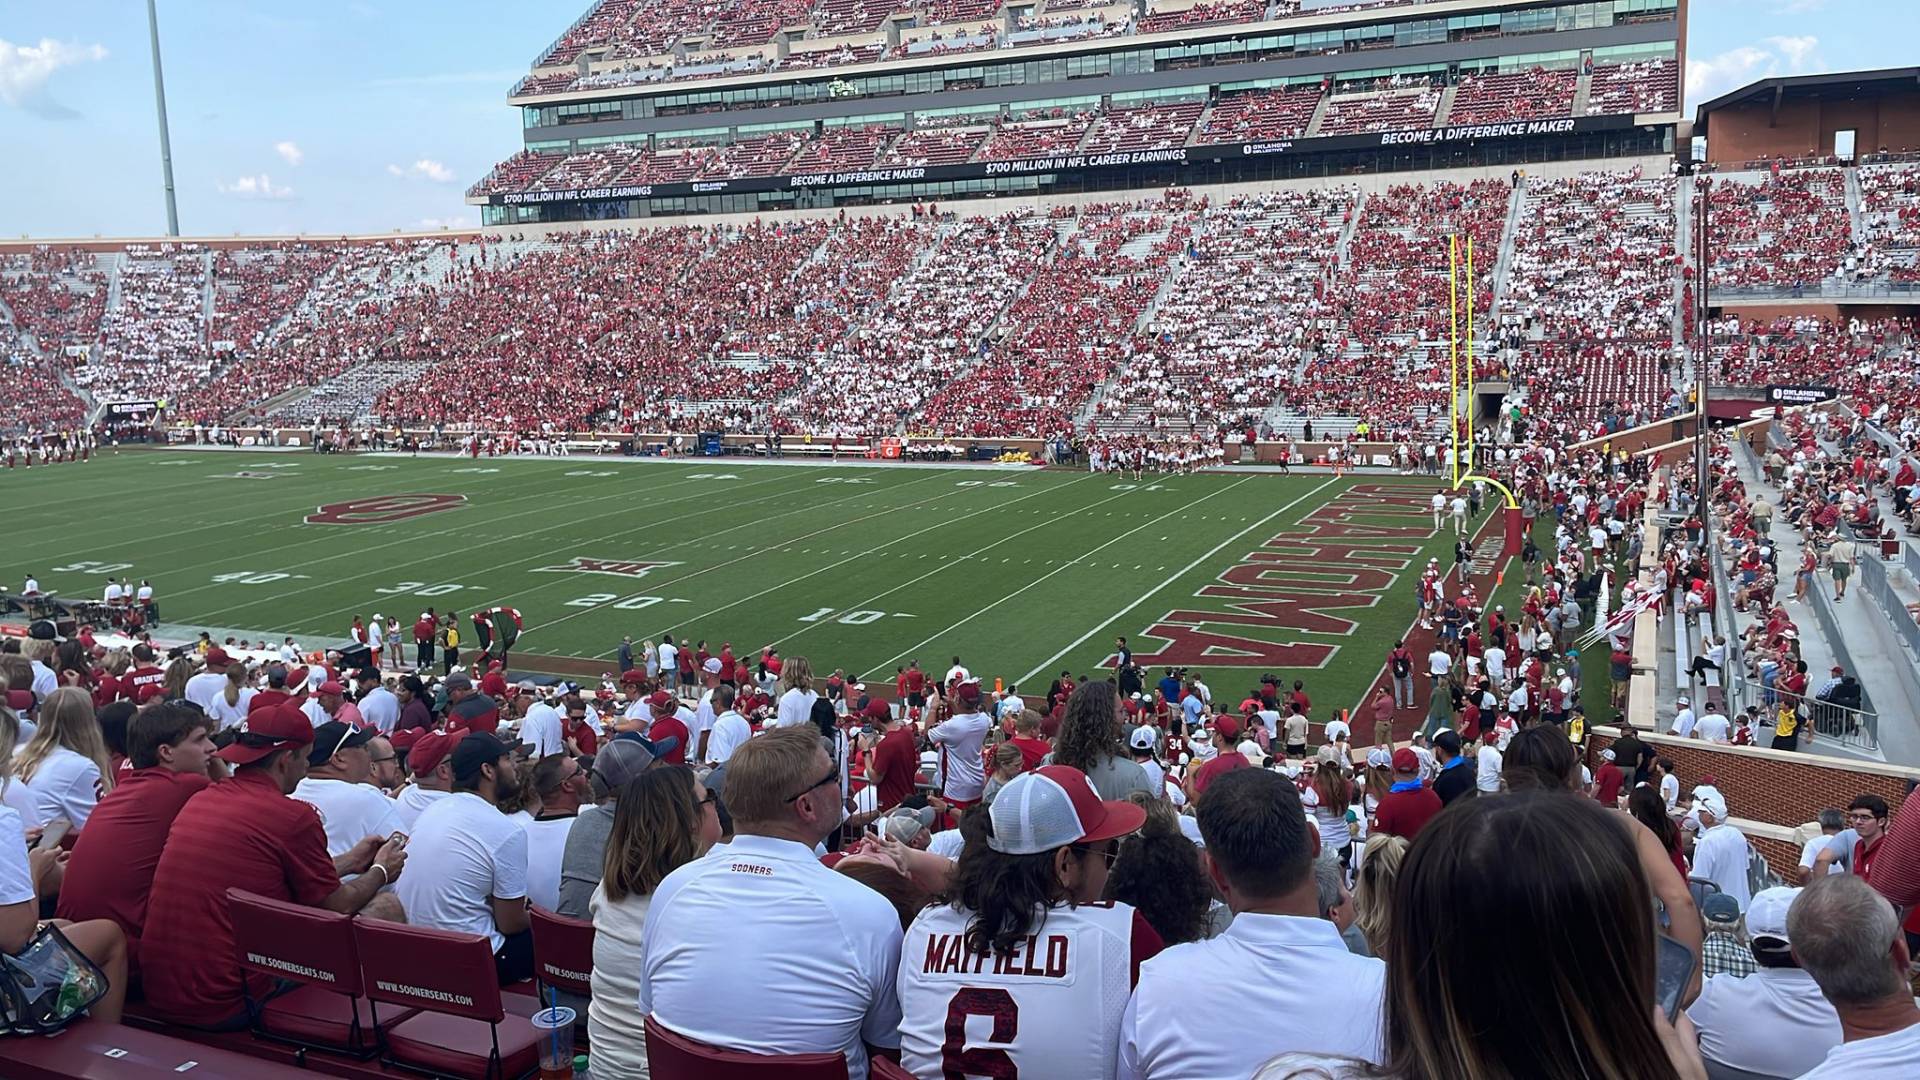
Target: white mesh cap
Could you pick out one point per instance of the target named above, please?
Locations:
(1052, 807)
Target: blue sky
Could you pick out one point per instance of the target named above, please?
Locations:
(373, 115)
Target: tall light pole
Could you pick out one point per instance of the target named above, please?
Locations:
(160, 105)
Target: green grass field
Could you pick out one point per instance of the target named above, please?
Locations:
(1020, 572)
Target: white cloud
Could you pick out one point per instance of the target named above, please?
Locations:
(435, 224)
(25, 69)
(1736, 67)
(290, 151)
(255, 187)
(424, 169)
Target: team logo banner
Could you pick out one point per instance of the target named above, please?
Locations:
(580, 564)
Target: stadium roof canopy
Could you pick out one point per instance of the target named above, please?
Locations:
(1845, 84)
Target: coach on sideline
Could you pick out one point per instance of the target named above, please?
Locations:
(814, 952)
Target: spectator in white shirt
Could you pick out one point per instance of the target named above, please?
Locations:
(1458, 1008)
(1773, 1022)
(1847, 936)
(25, 877)
(1286, 964)
(542, 730)
(960, 739)
(820, 949)
(1713, 726)
(1684, 719)
(662, 820)
(957, 673)
(797, 696)
(1720, 853)
(202, 687)
(1832, 820)
(432, 772)
(730, 729)
(229, 706)
(379, 707)
(562, 786)
(65, 764)
(339, 785)
(669, 659)
(469, 861)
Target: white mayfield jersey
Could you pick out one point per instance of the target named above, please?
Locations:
(1050, 1008)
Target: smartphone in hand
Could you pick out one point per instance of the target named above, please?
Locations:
(54, 832)
(1672, 971)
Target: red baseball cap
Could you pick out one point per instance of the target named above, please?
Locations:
(1053, 806)
(148, 693)
(22, 700)
(281, 727)
(331, 687)
(1227, 725)
(1405, 760)
(660, 699)
(429, 750)
(634, 675)
(969, 693)
(217, 657)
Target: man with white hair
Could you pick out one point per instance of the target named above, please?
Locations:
(1848, 938)
(1720, 854)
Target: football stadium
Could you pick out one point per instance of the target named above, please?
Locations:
(1050, 510)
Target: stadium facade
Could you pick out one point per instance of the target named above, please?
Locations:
(645, 108)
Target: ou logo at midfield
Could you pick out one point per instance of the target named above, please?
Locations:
(382, 509)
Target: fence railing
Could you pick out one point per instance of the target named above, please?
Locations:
(1829, 723)
(1902, 291)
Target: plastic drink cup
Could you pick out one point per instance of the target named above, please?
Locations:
(555, 1027)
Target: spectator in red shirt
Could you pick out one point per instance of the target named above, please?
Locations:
(245, 832)
(1408, 805)
(110, 872)
(895, 763)
(1226, 735)
(1026, 736)
(1608, 780)
(666, 725)
(916, 685)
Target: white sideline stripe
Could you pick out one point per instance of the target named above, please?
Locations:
(949, 561)
(1170, 579)
(881, 666)
(829, 566)
(544, 508)
(702, 538)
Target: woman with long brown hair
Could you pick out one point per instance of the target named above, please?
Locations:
(1546, 1004)
(662, 819)
(795, 706)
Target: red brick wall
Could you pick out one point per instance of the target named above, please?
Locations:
(1760, 787)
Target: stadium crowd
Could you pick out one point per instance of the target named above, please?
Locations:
(1107, 846)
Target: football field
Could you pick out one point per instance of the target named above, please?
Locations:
(1020, 572)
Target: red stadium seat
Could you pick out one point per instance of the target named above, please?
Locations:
(880, 1068)
(462, 1029)
(310, 946)
(671, 1056)
(562, 951)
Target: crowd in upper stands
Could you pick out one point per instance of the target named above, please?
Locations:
(932, 323)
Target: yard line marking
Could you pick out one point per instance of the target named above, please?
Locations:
(1170, 579)
(982, 611)
(545, 508)
(570, 523)
(996, 543)
(869, 551)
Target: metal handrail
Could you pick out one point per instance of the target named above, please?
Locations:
(1827, 722)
